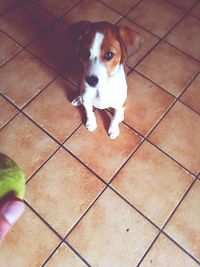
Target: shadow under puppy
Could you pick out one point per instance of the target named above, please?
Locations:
(102, 50)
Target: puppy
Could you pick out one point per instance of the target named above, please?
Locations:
(102, 50)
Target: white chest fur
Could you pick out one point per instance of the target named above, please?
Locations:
(112, 93)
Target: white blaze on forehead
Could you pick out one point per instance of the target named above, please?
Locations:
(96, 45)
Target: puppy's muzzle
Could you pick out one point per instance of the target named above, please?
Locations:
(92, 80)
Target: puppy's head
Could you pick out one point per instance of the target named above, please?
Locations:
(102, 48)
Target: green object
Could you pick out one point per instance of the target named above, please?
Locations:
(12, 179)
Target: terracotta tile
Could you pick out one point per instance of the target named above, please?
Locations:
(73, 72)
(57, 7)
(157, 16)
(30, 237)
(65, 257)
(102, 154)
(53, 105)
(112, 233)
(150, 189)
(91, 10)
(28, 77)
(178, 135)
(165, 65)
(5, 5)
(147, 42)
(192, 95)
(54, 46)
(26, 144)
(8, 48)
(146, 103)
(165, 253)
(62, 191)
(120, 5)
(186, 36)
(196, 11)
(24, 22)
(184, 225)
(183, 4)
(7, 111)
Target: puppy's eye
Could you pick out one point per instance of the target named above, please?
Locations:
(109, 55)
(86, 54)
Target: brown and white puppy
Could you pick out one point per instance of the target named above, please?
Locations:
(102, 49)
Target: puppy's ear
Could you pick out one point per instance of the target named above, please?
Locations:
(77, 30)
(129, 40)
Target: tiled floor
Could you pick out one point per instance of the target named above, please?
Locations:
(90, 200)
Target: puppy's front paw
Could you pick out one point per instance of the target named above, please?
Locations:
(91, 124)
(113, 132)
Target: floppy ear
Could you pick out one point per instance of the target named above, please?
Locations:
(130, 41)
(77, 30)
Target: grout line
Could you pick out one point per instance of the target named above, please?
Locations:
(51, 254)
(115, 10)
(179, 203)
(147, 251)
(76, 252)
(174, 4)
(163, 232)
(134, 208)
(43, 220)
(182, 248)
(162, 38)
(86, 211)
(169, 218)
(84, 165)
(55, 232)
(107, 185)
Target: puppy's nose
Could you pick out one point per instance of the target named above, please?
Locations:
(92, 80)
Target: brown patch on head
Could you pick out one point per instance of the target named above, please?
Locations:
(119, 41)
(110, 52)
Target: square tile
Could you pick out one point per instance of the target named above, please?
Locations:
(102, 154)
(5, 5)
(192, 95)
(7, 111)
(184, 225)
(112, 233)
(29, 77)
(30, 237)
(147, 42)
(165, 65)
(157, 16)
(196, 11)
(57, 7)
(24, 22)
(62, 191)
(65, 257)
(54, 46)
(186, 36)
(26, 144)
(73, 72)
(178, 135)
(165, 253)
(148, 181)
(183, 4)
(146, 103)
(53, 105)
(120, 5)
(91, 10)
(8, 48)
